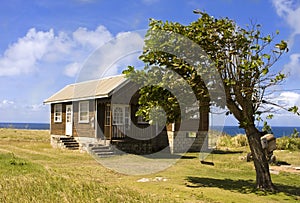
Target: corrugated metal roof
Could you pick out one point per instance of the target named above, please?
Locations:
(86, 90)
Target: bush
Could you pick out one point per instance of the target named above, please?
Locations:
(224, 141)
(288, 143)
(239, 140)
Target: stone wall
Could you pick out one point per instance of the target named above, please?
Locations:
(180, 142)
(149, 146)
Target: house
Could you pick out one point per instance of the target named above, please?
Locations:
(102, 112)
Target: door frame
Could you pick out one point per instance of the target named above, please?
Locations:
(69, 125)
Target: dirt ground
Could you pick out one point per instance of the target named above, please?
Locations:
(285, 168)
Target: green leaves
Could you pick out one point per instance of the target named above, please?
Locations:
(278, 78)
(129, 70)
(294, 110)
(243, 58)
(265, 71)
(282, 46)
(229, 82)
(267, 56)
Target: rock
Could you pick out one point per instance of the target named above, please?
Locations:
(160, 179)
(143, 180)
(156, 179)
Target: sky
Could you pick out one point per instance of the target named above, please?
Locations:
(44, 44)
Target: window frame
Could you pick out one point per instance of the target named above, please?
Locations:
(80, 112)
(108, 115)
(118, 116)
(125, 117)
(57, 116)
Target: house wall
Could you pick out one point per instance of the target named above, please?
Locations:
(84, 129)
(181, 142)
(148, 146)
(58, 128)
(171, 136)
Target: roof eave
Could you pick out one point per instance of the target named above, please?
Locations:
(76, 99)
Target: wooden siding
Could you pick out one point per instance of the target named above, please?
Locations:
(84, 129)
(58, 128)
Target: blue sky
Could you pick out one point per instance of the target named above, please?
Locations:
(44, 43)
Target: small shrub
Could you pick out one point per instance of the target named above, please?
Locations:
(239, 140)
(295, 134)
(224, 141)
(288, 143)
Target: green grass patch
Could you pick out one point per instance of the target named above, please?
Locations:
(32, 171)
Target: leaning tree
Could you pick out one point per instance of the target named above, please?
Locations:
(243, 58)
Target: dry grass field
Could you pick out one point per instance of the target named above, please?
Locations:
(32, 171)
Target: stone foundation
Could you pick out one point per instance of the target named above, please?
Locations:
(181, 141)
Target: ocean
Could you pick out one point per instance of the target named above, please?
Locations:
(31, 126)
(230, 130)
(278, 131)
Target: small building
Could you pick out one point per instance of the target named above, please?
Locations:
(103, 112)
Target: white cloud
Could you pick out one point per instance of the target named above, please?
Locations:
(93, 39)
(113, 56)
(59, 47)
(22, 56)
(290, 11)
(289, 98)
(292, 68)
(38, 49)
(283, 101)
(7, 104)
(283, 117)
(36, 107)
(72, 69)
(20, 112)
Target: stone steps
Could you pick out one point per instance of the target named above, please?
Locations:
(69, 143)
(101, 151)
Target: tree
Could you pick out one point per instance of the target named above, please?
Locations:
(243, 58)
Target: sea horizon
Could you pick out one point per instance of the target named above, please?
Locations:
(232, 130)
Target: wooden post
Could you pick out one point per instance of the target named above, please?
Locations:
(110, 131)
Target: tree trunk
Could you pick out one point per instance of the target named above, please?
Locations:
(263, 178)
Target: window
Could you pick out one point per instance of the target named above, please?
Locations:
(127, 117)
(83, 112)
(107, 114)
(58, 113)
(118, 115)
(121, 115)
(191, 134)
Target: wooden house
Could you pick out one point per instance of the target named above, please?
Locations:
(103, 112)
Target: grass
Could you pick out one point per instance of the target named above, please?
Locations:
(32, 171)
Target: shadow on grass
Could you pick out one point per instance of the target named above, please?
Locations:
(225, 152)
(168, 156)
(241, 186)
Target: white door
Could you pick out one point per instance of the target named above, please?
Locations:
(69, 120)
